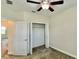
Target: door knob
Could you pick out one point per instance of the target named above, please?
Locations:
(26, 39)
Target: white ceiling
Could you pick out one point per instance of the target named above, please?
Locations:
(22, 5)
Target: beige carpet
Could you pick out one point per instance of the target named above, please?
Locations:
(42, 53)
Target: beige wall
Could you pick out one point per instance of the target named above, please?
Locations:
(63, 34)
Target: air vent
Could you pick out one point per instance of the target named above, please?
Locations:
(9, 2)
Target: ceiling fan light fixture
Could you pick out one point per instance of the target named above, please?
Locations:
(45, 6)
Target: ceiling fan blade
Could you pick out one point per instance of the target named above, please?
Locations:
(57, 2)
(39, 9)
(51, 9)
(33, 2)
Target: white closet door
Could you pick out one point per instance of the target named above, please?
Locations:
(20, 39)
(38, 35)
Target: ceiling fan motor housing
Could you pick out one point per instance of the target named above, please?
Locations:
(45, 4)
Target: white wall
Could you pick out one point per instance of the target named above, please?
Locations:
(63, 33)
(10, 14)
(7, 13)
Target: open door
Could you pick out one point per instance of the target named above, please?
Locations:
(20, 38)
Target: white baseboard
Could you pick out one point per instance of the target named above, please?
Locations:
(64, 52)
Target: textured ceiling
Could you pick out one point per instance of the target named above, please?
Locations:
(22, 5)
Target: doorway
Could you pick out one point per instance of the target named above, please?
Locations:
(39, 35)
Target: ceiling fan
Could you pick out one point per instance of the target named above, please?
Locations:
(46, 4)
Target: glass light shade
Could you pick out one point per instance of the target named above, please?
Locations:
(45, 6)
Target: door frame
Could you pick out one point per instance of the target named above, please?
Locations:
(46, 35)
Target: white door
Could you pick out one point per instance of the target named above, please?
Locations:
(20, 38)
(38, 35)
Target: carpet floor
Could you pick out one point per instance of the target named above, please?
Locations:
(42, 53)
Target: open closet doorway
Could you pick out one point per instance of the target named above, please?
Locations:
(39, 36)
